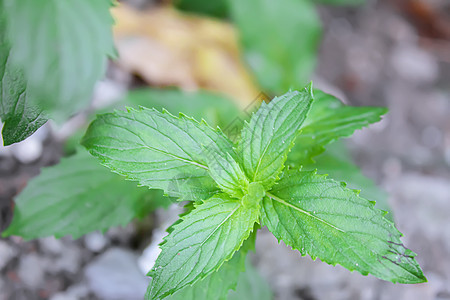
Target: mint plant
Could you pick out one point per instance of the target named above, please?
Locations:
(49, 63)
(236, 188)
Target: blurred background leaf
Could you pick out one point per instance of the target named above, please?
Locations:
(20, 119)
(216, 8)
(251, 285)
(280, 40)
(62, 58)
(78, 196)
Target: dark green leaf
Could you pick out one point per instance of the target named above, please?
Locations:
(61, 47)
(216, 8)
(19, 117)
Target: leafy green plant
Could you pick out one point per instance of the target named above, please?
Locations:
(235, 187)
(271, 176)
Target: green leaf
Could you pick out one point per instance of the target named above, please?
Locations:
(75, 197)
(61, 47)
(226, 172)
(280, 40)
(329, 120)
(19, 117)
(217, 8)
(251, 286)
(198, 245)
(323, 218)
(158, 150)
(337, 162)
(267, 139)
(217, 285)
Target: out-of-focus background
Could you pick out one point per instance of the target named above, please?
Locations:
(393, 53)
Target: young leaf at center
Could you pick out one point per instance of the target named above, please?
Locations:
(266, 140)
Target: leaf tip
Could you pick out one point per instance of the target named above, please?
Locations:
(309, 89)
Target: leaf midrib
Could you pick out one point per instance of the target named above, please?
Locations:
(273, 197)
(271, 140)
(144, 144)
(208, 237)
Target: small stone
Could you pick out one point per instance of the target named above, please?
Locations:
(6, 254)
(75, 292)
(432, 137)
(51, 245)
(152, 251)
(414, 64)
(63, 296)
(116, 275)
(79, 291)
(31, 270)
(29, 151)
(70, 261)
(95, 241)
(106, 92)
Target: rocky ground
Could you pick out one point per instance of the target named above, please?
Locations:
(374, 55)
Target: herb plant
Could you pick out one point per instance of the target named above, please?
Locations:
(235, 188)
(49, 64)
